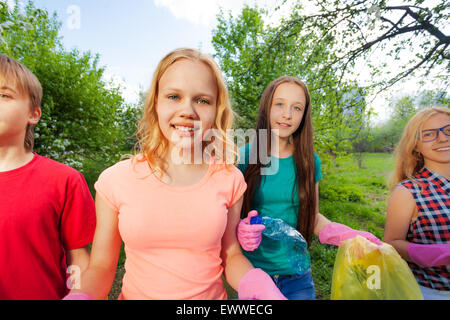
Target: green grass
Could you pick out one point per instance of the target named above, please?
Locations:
(349, 194)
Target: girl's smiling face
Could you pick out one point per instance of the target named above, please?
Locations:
(435, 152)
(287, 109)
(186, 104)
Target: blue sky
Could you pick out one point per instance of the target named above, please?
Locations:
(130, 36)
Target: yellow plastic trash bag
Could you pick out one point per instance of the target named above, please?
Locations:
(365, 271)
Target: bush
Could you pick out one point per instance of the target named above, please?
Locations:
(83, 116)
(348, 193)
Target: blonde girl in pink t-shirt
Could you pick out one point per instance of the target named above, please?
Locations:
(176, 209)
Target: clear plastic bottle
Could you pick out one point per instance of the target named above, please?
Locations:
(277, 229)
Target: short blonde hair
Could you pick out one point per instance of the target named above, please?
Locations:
(408, 160)
(152, 145)
(27, 83)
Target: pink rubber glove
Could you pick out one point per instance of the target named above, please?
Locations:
(249, 235)
(334, 233)
(429, 255)
(258, 285)
(78, 296)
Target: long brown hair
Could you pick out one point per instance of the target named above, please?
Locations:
(303, 158)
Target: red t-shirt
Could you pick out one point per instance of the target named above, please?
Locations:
(45, 209)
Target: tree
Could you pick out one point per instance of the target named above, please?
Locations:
(359, 28)
(252, 54)
(129, 119)
(385, 137)
(80, 111)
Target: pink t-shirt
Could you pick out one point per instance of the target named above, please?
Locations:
(172, 235)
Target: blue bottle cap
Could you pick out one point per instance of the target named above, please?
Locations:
(256, 220)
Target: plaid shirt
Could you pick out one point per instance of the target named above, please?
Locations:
(432, 225)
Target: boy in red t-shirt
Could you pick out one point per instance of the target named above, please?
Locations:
(47, 214)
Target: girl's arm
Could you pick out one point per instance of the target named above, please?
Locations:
(98, 278)
(250, 283)
(400, 210)
(235, 264)
(334, 233)
(321, 221)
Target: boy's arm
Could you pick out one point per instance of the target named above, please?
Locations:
(98, 278)
(77, 261)
(78, 257)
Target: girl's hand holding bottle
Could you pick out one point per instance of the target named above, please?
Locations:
(249, 235)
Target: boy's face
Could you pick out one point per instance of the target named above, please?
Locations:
(15, 114)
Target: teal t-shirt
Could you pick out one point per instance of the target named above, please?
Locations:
(277, 198)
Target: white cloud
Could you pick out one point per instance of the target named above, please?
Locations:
(196, 11)
(204, 12)
(129, 91)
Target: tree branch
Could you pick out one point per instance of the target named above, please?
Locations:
(410, 70)
(425, 23)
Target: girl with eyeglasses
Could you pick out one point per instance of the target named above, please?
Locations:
(418, 214)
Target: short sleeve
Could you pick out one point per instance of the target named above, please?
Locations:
(105, 188)
(239, 186)
(78, 216)
(317, 171)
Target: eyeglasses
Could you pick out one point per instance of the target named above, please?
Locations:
(432, 134)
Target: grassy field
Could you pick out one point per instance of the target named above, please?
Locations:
(355, 196)
(353, 192)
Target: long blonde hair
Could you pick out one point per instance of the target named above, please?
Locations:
(151, 144)
(408, 161)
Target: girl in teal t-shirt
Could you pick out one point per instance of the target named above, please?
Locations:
(282, 173)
